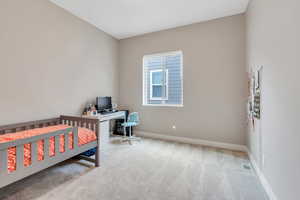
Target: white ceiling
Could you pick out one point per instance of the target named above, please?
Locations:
(127, 18)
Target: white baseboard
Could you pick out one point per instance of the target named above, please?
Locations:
(235, 147)
(262, 178)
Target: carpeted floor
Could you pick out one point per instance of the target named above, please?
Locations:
(147, 170)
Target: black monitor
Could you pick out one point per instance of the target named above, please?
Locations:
(103, 103)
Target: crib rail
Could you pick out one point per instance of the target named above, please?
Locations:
(92, 124)
(80, 122)
(12, 128)
(22, 171)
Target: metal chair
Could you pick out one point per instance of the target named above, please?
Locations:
(133, 120)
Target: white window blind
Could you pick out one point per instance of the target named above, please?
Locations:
(163, 79)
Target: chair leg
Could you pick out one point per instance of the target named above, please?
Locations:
(125, 137)
(124, 132)
(130, 136)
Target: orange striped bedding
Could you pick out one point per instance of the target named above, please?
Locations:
(84, 136)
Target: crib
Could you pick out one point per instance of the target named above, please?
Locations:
(70, 136)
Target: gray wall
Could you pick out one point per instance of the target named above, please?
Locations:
(51, 62)
(214, 80)
(273, 31)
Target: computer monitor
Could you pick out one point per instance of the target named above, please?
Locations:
(103, 103)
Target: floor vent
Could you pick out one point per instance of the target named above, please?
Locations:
(246, 166)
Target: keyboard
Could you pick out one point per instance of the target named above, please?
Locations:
(108, 112)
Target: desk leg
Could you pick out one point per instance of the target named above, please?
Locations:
(104, 133)
(103, 140)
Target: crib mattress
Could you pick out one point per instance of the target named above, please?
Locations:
(85, 136)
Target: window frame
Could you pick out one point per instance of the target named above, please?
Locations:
(163, 104)
(162, 85)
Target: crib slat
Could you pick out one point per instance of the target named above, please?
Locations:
(20, 157)
(34, 152)
(56, 145)
(75, 140)
(3, 162)
(46, 148)
(66, 136)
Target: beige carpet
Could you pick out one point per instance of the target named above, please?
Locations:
(147, 170)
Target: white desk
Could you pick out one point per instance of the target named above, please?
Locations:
(104, 121)
(110, 116)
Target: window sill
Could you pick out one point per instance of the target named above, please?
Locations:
(164, 105)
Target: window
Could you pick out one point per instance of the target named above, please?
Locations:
(162, 79)
(158, 84)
